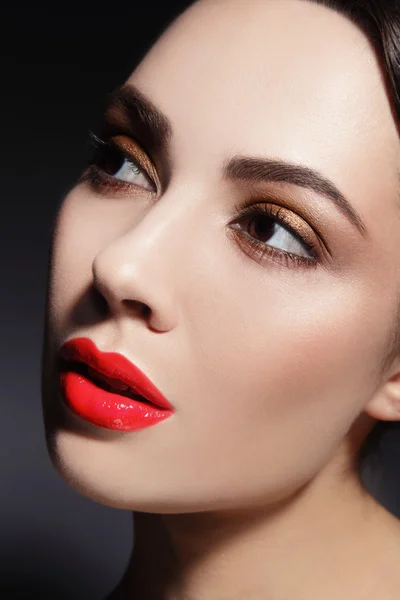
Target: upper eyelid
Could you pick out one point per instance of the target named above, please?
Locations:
(295, 210)
(307, 240)
(136, 154)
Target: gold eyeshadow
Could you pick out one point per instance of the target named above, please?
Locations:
(131, 148)
(295, 223)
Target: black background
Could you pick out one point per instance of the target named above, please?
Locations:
(57, 63)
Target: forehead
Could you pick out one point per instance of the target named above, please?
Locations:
(288, 78)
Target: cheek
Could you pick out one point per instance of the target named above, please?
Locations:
(284, 369)
(275, 330)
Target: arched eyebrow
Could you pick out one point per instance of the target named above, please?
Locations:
(258, 170)
(129, 106)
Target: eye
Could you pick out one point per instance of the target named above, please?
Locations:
(119, 165)
(128, 170)
(276, 235)
(265, 230)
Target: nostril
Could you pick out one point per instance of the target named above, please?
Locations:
(138, 307)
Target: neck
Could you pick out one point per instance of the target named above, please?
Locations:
(317, 545)
(330, 540)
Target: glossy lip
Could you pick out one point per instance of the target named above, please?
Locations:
(114, 366)
(113, 409)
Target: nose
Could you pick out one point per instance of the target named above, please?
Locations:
(135, 273)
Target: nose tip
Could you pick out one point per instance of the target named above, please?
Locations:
(131, 288)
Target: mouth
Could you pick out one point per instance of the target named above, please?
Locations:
(102, 381)
(107, 389)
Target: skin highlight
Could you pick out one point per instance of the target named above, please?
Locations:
(278, 368)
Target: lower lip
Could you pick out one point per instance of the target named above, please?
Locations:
(107, 409)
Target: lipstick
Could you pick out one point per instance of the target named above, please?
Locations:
(108, 390)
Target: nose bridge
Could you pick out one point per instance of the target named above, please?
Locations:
(139, 265)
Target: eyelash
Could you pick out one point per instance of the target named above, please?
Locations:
(259, 251)
(98, 178)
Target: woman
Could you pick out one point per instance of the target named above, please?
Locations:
(223, 305)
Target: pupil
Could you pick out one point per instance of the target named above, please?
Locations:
(266, 229)
(110, 160)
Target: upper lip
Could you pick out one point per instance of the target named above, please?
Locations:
(115, 366)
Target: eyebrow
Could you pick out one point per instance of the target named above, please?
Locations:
(151, 125)
(257, 170)
(144, 119)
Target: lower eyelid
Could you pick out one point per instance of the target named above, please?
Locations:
(286, 219)
(102, 183)
(263, 253)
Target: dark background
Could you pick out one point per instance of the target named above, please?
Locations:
(57, 63)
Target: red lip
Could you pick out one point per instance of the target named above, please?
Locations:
(114, 407)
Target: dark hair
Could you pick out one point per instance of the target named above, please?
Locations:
(380, 21)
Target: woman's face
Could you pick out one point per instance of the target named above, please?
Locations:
(264, 331)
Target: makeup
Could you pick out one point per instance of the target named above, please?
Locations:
(106, 389)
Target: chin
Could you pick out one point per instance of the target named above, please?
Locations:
(89, 467)
(92, 467)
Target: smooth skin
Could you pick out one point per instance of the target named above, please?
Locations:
(274, 367)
